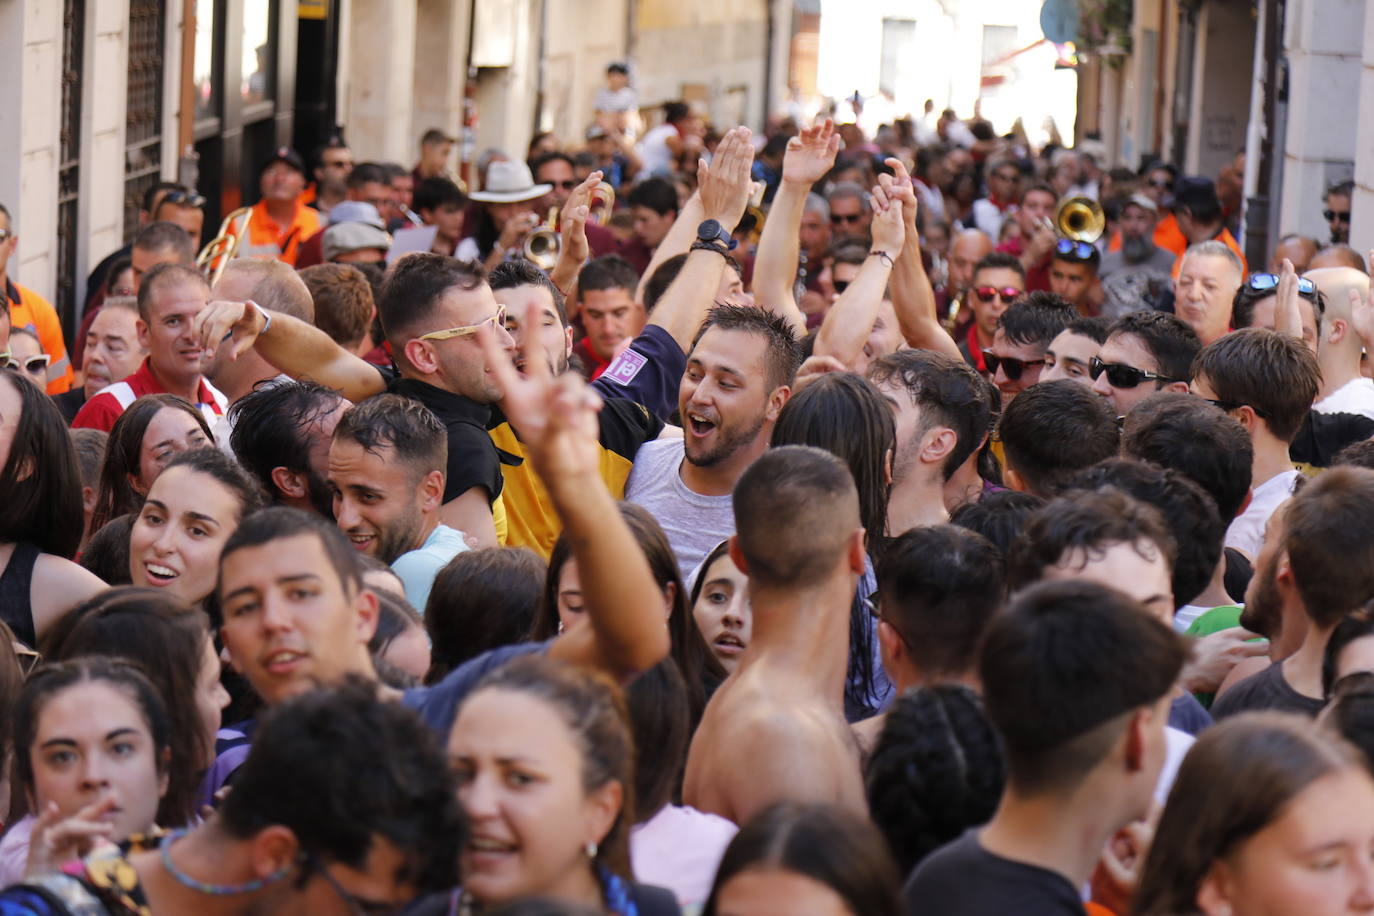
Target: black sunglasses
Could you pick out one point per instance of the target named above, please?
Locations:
(1166, 185)
(1078, 251)
(565, 185)
(1120, 375)
(1011, 367)
(1331, 215)
(840, 285)
(838, 218)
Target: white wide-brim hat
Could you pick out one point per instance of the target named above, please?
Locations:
(508, 183)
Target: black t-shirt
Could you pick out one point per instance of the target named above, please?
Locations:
(1265, 689)
(473, 459)
(964, 878)
(648, 372)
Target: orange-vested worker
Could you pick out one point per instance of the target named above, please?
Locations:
(29, 310)
(280, 221)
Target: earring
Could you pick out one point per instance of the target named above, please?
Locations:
(591, 849)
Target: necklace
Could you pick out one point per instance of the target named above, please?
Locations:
(214, 890)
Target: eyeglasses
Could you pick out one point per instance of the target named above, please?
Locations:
(1079, 251)
(1006, 293)
(183, 199)
(1332, 215)
(497, 320)
(1265, 283)
(838, 218)
(1120, 375)
(1011, 367)
(31, 365)
(355, 905)
(1229, 406)
(1165, 185)
(565, 185)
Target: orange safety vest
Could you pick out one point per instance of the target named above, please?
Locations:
(30, 310)
(268, 239)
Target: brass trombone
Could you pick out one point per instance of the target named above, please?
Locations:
(224, 247)
(1080, 219)
(543, 244)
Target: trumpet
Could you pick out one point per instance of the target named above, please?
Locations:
(224, 247)
(544, 244)
(1080, 219)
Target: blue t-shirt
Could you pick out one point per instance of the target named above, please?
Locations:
(438, 705)
(417, 568)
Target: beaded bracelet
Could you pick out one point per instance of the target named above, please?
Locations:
(887, 258)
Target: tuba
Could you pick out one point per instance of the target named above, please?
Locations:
(543, 245)
(1080, 219)
(223, 248)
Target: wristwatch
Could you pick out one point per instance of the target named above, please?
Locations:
(712, 232)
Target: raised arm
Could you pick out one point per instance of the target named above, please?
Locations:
(573, 252)
(850, 320)
(723, 190)
(299, 349)
(913, 298)
(810, 155)
(625, 632)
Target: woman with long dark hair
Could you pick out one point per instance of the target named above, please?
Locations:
(41, 518)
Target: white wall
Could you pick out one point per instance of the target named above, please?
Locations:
(1362, 215)
(1324, 41)
(30, 109)
(104, 103)
(1223, 67)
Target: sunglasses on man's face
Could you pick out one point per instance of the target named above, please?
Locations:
(1005, 293)
(1334, 215)
(1163, 185)
(840, 285)
(1011, 367)
(1120, 375)
(564, 185)
(841, 218)
(1229, 406)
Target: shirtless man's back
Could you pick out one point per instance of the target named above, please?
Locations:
(775, 730)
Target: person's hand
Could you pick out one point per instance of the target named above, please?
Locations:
(1362, 312)
(1117, 875)
(232, 324)
(724, 185)
(1041, 242)
(898, 186)
(1215, 655)
(814, 368)
(516, 228)
(555, 416)
(811, 154)
(1287, 318)
(57, 840)
(573, 220)
(889, 232)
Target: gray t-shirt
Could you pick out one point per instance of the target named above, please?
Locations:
(694, 523)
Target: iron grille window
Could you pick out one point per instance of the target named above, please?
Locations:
(69, 157)
(143, 113)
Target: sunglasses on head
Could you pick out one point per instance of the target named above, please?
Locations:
(184, 199)
(1120, 375)
(1079, 251)
(1011, 367)
(1006, 293)
(1266, 283)
(32, 364)
(1332, 215)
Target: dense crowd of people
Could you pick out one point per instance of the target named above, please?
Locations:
(821, 524)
